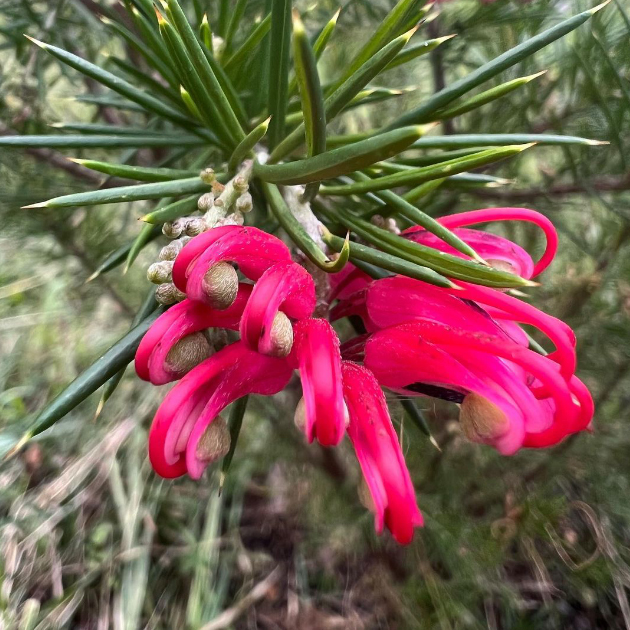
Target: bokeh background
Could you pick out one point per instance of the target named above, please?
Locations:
(91, 538)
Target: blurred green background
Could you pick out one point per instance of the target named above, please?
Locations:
(91, 538)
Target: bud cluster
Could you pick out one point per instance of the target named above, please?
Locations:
(223, 205)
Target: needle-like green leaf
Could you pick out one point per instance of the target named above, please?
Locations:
(246, 146)
(139, 173)
(386, 31)
(99, 141)
(147, 307)
(388, 262)
(172, 211)
(485, 97)
(342, 160)
(201, 63)
(319, 45)
(404, 207)
(340, 98)
(127, 193)
(425, 112)
(440, 262)
(417, 50)
(247, 48)
(417, 176)
(298, 234)
(117, 357)
(279, 68)
(311, 96)
(150, 103)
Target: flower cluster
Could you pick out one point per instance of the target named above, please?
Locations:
(462, 344)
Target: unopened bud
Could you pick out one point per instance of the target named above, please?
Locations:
(160, 272)
(482, 420)
(281, 335)
(215, 441)
(244, 203)
(391, 225)
(207, 176)
(220, 284)
(174, 229)
(170, 251)
(168, 293)
(365, 496)
(187, 353)
(205, 202)
(240, 184)
(195, 226)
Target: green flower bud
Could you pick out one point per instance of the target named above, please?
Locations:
(160, 272)
(207, 176)
(244, 203)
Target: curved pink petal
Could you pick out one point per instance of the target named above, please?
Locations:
(194, 248)
(284, 286)
(513, 309)
(346, 282)
(398, 299)
(319, 361)
(253, 250)
(181, 320)
(489, 246)
(200, 396)
(540, 367)
(379, 454)
(399, 357)
(506, 214)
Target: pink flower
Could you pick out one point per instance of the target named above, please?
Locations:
(466, 344)
(196, 401)
(378, 451)
(316, 354)
(463, 344)
(183, 322)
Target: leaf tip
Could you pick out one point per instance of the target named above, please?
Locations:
(597, 143)
(37, 42)
(531, 77)
(17, 447)
(335, 17)
(599, 7)
(41, 204)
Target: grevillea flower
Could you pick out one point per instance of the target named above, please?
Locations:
(378, 451)
(278, 335)
(463, 344)
(466, 345)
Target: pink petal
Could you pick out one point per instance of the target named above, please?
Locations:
(181, 320)
(506, 214)
(379, 454)
(284, 286)
(489, 246)
(317, 349)
(346, 282)
(200, 396)
(253, 250)
(194, 248)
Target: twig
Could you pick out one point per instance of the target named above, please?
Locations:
(260, 591)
